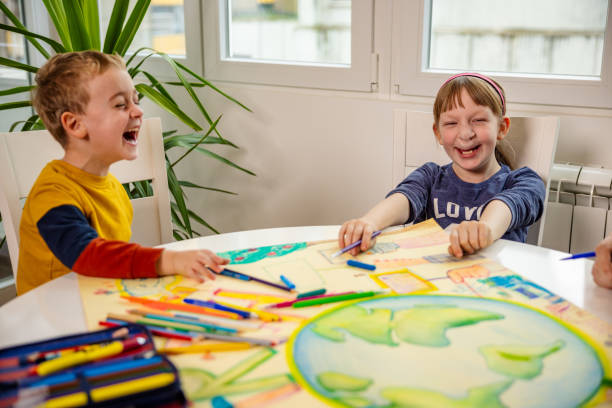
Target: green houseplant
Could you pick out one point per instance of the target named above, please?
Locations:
(78, 27)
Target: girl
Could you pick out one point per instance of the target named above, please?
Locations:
(483, 198)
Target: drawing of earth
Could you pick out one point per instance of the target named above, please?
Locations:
(450, 351)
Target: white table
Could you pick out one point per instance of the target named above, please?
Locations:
(55, 308)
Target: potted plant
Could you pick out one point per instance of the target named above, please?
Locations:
(78, 27)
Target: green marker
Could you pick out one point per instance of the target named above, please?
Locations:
(330, 299)
(315, 292)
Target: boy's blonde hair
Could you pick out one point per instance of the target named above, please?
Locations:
(482, 93)
(62, 86)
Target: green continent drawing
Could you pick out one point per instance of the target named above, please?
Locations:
(445, 351)
(518, 361)
(424, 325)
(485, 396)
(250, 255)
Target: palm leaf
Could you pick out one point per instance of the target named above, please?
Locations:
(158, 86)
(179, 199)
(57, 47)
(115, 25)
(7, 12)
(16, 90)
(185, 183)
(167, 104)
(224, 160)
(205, 82)
(212, 127)
(92, 22)
(188, 139)
(14, 105)
(58, 16)
(76, 25)
(199, 219)
(129, 31)
(17, 65)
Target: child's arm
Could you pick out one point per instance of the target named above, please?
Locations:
(76, 244)
(470, 236)
(602, 269)
(393, 210)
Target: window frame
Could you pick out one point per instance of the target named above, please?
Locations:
(357, 77)
(411, 21)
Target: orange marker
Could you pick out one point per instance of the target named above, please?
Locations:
(158, 304)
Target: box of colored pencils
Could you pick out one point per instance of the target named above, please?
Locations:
(115, 367)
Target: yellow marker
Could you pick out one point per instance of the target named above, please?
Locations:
(112, 391)
(205, 348)
(85, 356)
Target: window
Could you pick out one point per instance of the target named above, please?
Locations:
(545, 51)
(169, 26)
(311, 43)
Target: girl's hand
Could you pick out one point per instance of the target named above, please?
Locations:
(468, 237)
(602, 268)
(354, 230)
(193, 264)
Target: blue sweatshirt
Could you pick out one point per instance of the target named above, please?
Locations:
(436, 192)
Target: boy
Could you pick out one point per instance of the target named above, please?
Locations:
(78, 216)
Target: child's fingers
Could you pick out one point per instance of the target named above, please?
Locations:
(341, 234)
(464, 239)
(366, 238)
(455, 248)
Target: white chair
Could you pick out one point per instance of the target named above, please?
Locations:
(532, 140)
(24, 154)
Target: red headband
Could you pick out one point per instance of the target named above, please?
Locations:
(487, 80)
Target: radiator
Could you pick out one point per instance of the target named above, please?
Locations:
(579, 208)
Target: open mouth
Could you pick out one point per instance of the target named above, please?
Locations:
(468, 152)
(131, 136)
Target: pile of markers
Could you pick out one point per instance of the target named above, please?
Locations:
(112, 367)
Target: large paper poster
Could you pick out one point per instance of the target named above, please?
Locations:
(446, 332)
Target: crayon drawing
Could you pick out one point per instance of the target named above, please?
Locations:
(480, 336)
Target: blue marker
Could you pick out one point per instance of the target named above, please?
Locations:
(581, 255)
(361, 265)
(287, 282)
(217, 306)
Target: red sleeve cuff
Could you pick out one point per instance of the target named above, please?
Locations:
(117, 259)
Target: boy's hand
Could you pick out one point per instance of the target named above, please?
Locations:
(193, 264)
(468, 237)
(354, 230)
(602, 268)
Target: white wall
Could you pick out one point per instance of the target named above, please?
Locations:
(322, 157)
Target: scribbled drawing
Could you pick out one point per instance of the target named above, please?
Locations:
(459, 275)
(441, 350)
(200, 384)
(250, 255)
(397, 263)
(402, 282)
(327, 254)
(436, 238)
(383, 248)
(165, 288)
(517, 284)
(446, 258)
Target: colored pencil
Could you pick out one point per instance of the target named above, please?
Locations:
(206, 348)
(165, 317)
(580, 255)
(261, 314)
(257, 297)
(238, 324)
(214, 305)
(155, 331)
(157, 304)
(155, 322)
(353, 245)
(291, 302)
(331, 299)
(244, 276)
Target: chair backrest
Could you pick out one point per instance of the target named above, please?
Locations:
(24, 154)
(532, 142)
